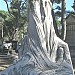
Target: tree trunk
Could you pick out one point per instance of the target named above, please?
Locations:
(63, 20)
(42, 52)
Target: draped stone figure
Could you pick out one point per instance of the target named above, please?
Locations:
(42, 52)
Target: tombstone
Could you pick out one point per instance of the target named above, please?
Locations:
(38, 54)
(1, 46)
(14, 45)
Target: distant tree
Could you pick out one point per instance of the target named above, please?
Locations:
(56, 16)
(3, 16)
(17, 17)
(63, 21)
(62, 14)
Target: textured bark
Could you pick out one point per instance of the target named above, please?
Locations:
(42, 52)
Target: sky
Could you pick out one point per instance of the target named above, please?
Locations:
(69, 3)
(2, 5)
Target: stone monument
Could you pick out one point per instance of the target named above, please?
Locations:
(42, 52)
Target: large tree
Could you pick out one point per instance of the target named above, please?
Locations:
(42, 52)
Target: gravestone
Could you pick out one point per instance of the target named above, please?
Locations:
(42, 52)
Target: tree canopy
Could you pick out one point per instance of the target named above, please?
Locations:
(15, 19)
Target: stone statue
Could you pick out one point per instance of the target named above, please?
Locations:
(42, 52)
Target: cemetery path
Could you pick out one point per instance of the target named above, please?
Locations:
(6, 60)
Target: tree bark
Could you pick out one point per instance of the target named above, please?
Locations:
(42, 52)
(63, 20)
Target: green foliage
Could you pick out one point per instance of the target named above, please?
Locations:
(3, 14)
(57, 1)
(16, 18)
(58, 13)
